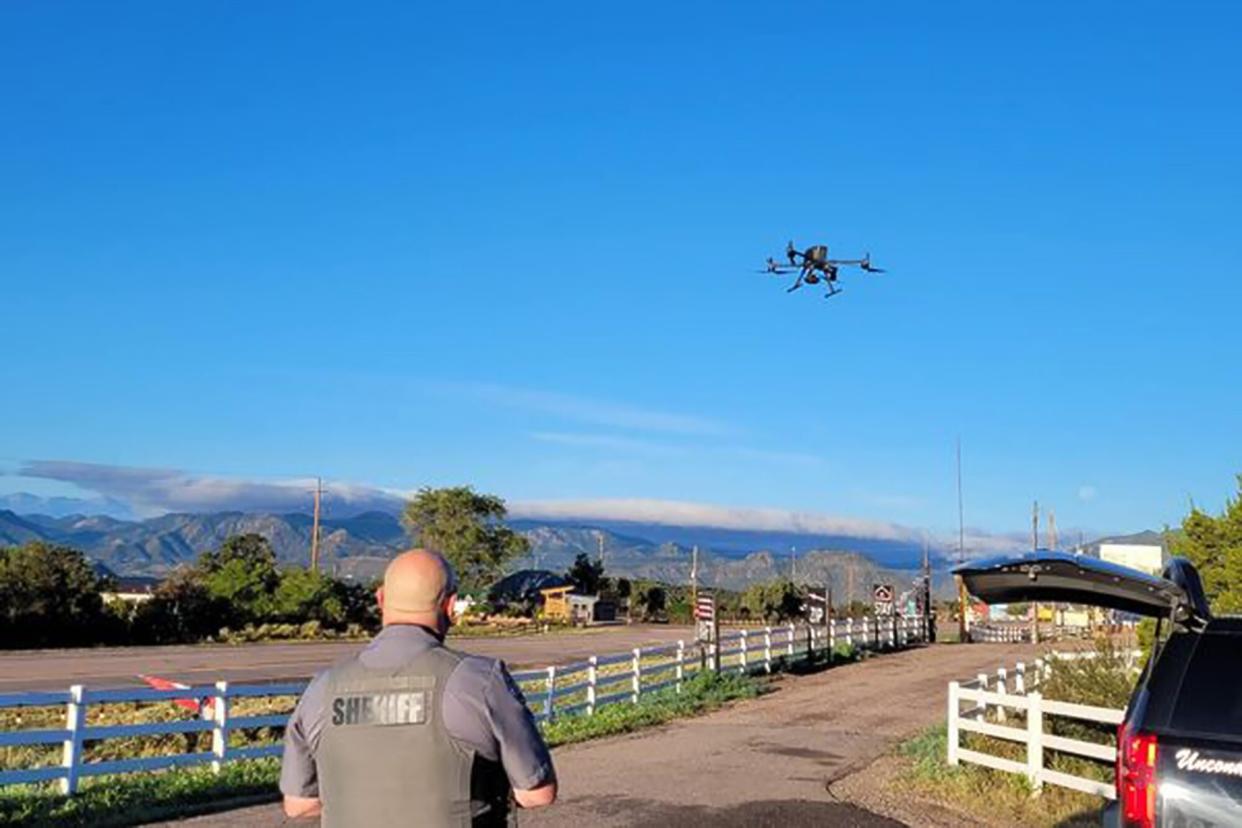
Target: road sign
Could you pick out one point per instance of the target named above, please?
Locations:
(882, 598)
(814, 608)
(705, 618)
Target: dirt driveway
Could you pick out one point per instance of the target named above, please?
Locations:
(764, 762)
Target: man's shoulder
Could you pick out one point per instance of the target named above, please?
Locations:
(474, 671)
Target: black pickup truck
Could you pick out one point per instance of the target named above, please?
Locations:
(1179, 759)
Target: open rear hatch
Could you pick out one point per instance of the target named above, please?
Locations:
(1076, 579)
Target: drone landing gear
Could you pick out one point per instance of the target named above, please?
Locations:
(833, 290)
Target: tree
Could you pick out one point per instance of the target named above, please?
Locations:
(587, 575)
(652, 599)
(181, 610)
(777, 600)
(50, 596)
(1214, 546)
(242, 573)
(466, 528)
(303, 595)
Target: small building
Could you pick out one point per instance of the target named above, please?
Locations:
(561, 603)
(133, 590)
(1147, 558)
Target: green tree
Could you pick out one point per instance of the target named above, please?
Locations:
(242, 573)
(652, 600)
(587, 575)
(181, 610)
(1214, 546)
(303, 595)
(467, 528)
(50, 597)
(777, 600)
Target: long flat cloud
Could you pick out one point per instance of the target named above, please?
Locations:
(170, 490)
(150, 491)
(577, 408)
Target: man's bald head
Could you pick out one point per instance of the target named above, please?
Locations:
(417, 586)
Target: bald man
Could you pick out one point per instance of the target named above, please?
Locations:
(409, 732)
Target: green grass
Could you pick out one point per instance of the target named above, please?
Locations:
(993, 796)
(137, 798)
(702, 693)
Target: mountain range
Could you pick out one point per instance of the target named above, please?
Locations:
(359, 546)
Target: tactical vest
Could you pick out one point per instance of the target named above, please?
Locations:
(385, 758)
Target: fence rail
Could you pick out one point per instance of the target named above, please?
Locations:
(551, 692)
(985, 705)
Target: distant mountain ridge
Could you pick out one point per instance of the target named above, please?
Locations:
(360, 546)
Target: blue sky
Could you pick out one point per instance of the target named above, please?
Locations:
(406, 244)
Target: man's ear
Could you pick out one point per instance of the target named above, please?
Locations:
(379, 597)
(450, 604)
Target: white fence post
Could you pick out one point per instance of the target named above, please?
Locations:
(952, 723)
(982, 710)
(741, 664)
(638, 674)
(71, 754)
(790, 645)
(1035, 741)
(220, 729)
(592, 671)
(1002, 687)
(1019, 679)
(681, 662)
(849, 632)
(550, 702)
(832, 634)
(767, 649)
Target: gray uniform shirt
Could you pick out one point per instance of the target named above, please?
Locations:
(483, 709)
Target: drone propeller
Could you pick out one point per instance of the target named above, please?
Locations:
(866, 265)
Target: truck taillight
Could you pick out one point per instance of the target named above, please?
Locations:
(1136, 777)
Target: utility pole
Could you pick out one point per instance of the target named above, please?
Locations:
(963, 623)
(793, 564)
(1052, 529)
(314, 561)
(1035, 548)
(694, 577)
(927, 593)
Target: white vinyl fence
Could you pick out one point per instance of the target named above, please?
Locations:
(580, 688)
(988, 703)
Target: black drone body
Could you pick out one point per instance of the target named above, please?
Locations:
(813, 266)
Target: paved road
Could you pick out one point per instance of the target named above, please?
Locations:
(119, 666)
(763, 762)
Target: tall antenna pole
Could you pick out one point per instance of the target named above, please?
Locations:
(601, 548)
(694, 577)
(1052, 529)
(314, 561)
(1034, 548)
(793, 564)
(963, 624)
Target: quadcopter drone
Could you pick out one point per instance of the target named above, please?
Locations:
(813, 266)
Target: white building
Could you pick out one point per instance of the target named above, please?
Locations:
(1144, 557)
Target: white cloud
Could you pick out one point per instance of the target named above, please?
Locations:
(634, 445)
(170, 490)
(588, 410)
(1086, 493)
(686, 513)
(153, 491)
